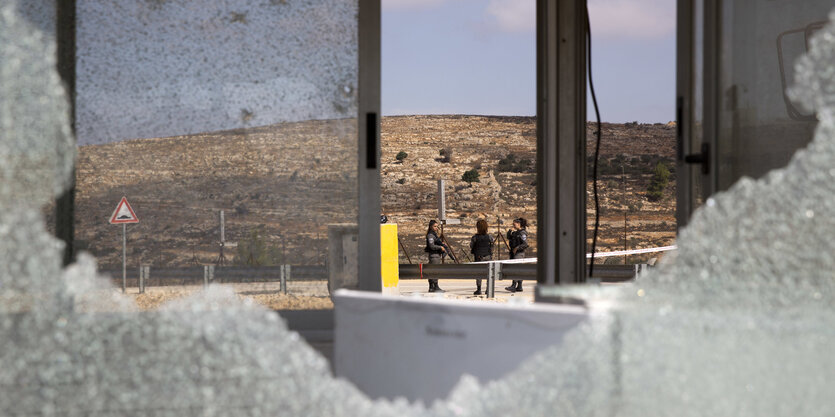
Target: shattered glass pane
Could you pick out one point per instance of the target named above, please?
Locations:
(758, 127)
(739, 323)
(230, 127)
(158, 68)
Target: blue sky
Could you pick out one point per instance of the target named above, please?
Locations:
(478, 57)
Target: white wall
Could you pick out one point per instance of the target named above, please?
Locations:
(419, 348)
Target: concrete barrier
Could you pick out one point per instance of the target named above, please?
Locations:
(419, 348)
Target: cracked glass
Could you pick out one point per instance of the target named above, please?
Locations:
(737, 323)
(230, 128)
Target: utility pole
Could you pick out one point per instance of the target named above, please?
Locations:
(221, 259)
(441, 201)
(623, 180)
(442, 209)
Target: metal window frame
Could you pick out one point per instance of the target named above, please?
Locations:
(561, 142)
(65, 63)
(684, 113)
(686, 44)
(561, 138)
(368, 180)
(368, 135)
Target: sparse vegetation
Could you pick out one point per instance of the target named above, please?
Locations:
(470, 176)
(401, 156)
(256, 251)
(446, 155)
(660, 178)
(613, 260)
(510, 163)
(252, 181)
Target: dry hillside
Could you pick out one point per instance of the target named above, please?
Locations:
(507, 189)
(286, 182)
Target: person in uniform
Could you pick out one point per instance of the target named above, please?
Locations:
(517, 239)
(481, 246)
(436, 250)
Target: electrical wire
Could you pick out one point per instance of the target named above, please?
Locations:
(596, 147)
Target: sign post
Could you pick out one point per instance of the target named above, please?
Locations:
(123, 215)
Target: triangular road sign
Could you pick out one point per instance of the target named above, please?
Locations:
(123, 213)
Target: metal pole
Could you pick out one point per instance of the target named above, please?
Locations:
(561, 141)
(141, 279)
(497, 272)
(283, 285)
(368, 126)
(441, 201)
(205, 276)
(124, 257)
(491, 280)
(623, 197)
(221, 259)
(222, 228)
(443, 258)
(287, 276)
(147, 275)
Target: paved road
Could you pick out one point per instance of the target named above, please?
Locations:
(463, 289)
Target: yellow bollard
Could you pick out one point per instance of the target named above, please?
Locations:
(389, 259)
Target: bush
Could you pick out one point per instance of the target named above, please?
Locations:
(470, 176)
(511, 164)
(613, 260)
(255, 251)
(660, 178)
(401, 181)
(446, 154)
(401, 156)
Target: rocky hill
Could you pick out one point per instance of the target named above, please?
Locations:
(281, 185)
(499, 148)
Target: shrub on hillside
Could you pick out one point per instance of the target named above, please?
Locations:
(254, 250)
(446, 155)
(660, 178)
(401, 156)
(470, 176)
(401, 181)
(510, 163)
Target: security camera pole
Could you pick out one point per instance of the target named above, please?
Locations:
(123, 215)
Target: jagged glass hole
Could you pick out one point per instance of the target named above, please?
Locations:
(739, 323)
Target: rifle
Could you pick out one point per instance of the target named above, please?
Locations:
(448, 249)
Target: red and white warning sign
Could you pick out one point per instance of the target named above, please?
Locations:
(123, 213)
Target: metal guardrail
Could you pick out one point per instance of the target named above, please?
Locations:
(224, 274)
(509, 271)
(146, 276)
(495, 271)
